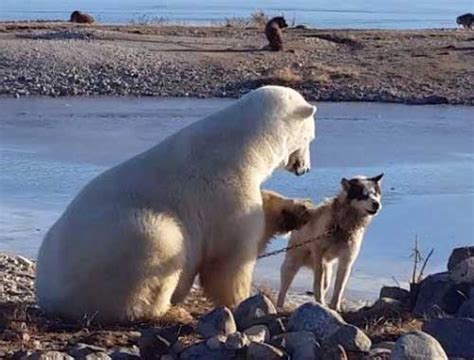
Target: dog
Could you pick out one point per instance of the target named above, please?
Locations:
(274, 33)
(338, 224)
(465, 20)
(81, 18)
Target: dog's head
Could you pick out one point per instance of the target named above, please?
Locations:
(75, 14)
(280, 21)
(364, 193)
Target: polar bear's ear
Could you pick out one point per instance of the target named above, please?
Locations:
(304, 111)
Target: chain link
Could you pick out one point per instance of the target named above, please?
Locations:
(288, 248)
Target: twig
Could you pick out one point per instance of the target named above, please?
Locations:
(416, 259)
(396, 281)
(420, 276)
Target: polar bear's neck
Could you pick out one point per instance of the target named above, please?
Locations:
(234, 142)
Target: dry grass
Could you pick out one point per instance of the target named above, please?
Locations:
(391, 329)
(325, 73)
(257, 19)
(148, 19)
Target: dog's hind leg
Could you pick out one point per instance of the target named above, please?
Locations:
(288, 270)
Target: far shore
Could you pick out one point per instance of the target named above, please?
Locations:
(432, 66)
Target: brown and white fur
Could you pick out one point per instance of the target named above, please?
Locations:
(282, 215)
(81, 18)
(274, 33)
(346, 217)
(465, 21)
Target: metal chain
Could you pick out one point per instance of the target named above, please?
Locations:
(288, 248)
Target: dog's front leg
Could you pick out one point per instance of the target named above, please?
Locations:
(318, 280)
(343, 273)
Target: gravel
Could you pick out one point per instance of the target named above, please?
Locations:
(393, 66)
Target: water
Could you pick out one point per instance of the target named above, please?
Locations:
(393, 14)
(50, 148)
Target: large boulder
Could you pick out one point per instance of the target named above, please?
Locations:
(328, 327)
(300, 345)
(200, 351)
(261, 351)
(271, 321)
(251, 309)
(219, 321)
(456, 335)
(396, 293)
(438, 291)
(418, 345)
(467, 309)
(458, 255)
(258, 333)
(463, 272)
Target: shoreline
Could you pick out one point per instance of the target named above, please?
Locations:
(431, 66)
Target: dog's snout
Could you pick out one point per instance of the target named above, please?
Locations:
(376, 206)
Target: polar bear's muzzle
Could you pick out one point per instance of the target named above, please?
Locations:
(298, 163)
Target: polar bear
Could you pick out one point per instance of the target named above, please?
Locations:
(134, 239)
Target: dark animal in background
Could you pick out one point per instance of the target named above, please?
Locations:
(465, 20)
(274, 33)
(81, 18)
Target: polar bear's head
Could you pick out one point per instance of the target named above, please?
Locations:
(290, 120)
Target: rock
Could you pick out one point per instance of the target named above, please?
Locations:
(24, 261)
(378, 354)
(153, 343)
(126, 354)
(272, 322)
(81, 351)
(200, 351)
(167, 357)
(458, 255)
(466, 309)
(351, 338)
(95, 356)
(236, 341)
(438, 290)
(396, 293)
(219, 321)
(49, 355)
(261, 351)
(454, 334)
(216, 342)
(251, 309)
(258, 333)
(321, 321)
(389, 345)
(300, 345)
(328, 327)
(463, 272)
(418, 345)
(334, 353)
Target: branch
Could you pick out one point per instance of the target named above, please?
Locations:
(420, 276)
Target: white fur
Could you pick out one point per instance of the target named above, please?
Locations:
(134, 238)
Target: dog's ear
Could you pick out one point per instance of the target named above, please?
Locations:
(377, 178)
(305, 111)
(346, 184)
